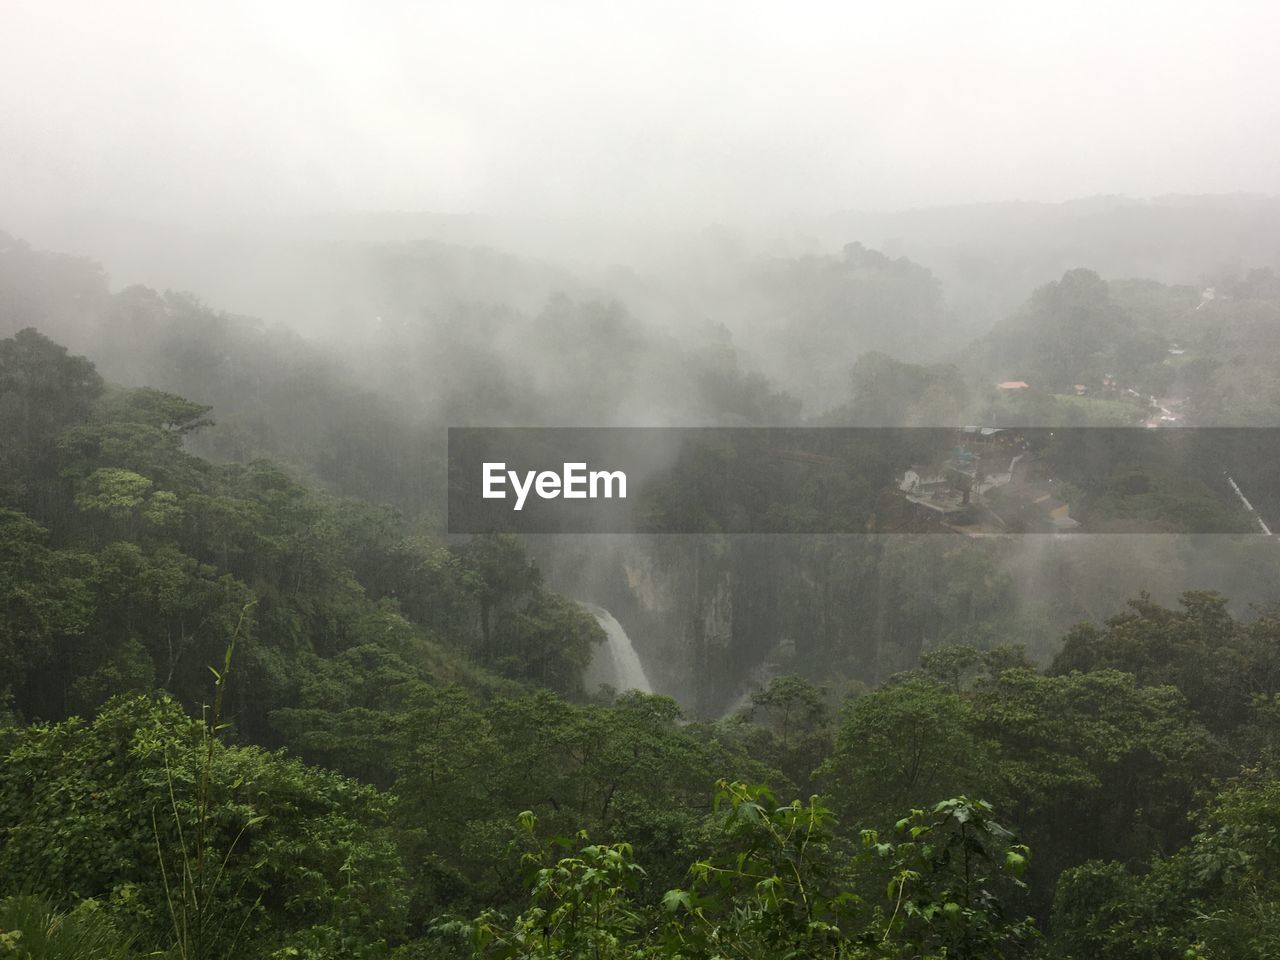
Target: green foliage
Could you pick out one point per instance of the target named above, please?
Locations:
(1096, 765)
(910, 742)
(790, 728)
(155, 408)
(1071, 331)
(32, 929)
(775, 883)
(84, 807)
(887, 392)
(793, 706)
(191, 881)
(549, 641)
(447, 678)
(959, 665)
(1218, 663)
(624, 771)
(772, 886)
(580, 908)
(46, 599)
(43, 390)
(1215, 898)
(143, 556)
(951, 877)
(113, 492)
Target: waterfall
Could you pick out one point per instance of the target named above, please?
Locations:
(615, 662)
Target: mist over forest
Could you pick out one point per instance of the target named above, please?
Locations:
(257, 700)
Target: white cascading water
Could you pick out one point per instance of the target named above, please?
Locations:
(615, 661)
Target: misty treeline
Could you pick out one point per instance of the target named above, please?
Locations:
(437, 335)
(257, 704)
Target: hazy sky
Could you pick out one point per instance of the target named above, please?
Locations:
(645, 110)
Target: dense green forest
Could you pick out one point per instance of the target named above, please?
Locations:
(639, 481)
(253, 703)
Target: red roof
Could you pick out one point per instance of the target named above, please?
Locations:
(1013, 385)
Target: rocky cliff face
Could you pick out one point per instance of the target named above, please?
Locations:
(711, 617)
(706, 614)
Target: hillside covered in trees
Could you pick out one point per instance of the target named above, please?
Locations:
(257, 704)
(639, 481)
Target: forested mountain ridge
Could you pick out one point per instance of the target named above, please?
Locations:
(150, 554)
(368, 423)
(364, 643)
(639, 481)
(131, 567)
(986, 256)
(429, 693)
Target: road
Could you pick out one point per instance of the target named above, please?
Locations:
(1262, 524)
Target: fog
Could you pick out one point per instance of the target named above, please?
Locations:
(344, 229)
(642, 113)
(260, 261)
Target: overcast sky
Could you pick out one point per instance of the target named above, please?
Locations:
(638, 111)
